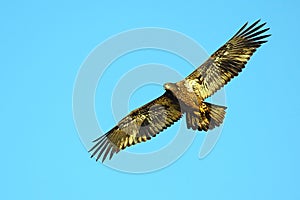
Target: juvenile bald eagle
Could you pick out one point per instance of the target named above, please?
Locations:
(186, 96)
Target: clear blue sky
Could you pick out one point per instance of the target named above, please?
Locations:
(42, 47)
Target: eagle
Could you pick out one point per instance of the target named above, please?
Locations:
(186, 96)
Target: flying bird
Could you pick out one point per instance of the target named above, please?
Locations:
(186, 96)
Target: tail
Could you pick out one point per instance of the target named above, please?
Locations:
(208, 117)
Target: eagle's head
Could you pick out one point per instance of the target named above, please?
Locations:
(171, 87)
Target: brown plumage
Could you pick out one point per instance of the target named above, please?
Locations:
(186, 96)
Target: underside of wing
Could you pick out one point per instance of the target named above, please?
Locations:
(228, 60)
(139, 126)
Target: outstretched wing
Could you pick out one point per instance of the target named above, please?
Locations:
(228, 60)
(139, 126)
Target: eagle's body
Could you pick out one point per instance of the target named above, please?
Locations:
(186, 96)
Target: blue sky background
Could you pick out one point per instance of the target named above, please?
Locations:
(42, 47)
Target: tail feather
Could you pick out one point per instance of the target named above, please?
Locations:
(208, 117)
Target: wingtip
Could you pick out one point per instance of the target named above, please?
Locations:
(268, 35)
(257, 21)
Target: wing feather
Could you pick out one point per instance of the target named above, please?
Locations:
(139, 126)
(228, 60)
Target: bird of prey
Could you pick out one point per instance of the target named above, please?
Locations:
(186, 96)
